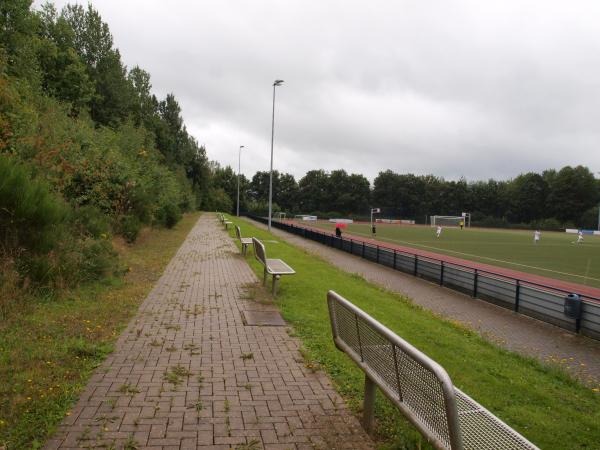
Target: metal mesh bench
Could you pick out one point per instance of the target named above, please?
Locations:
(224, 220)
(275, 267)
(244, 241)
(417, 385)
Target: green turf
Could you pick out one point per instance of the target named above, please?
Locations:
(541, 402)
(555, 256)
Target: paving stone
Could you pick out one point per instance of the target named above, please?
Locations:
(186, 375)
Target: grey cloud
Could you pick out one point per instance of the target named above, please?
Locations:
(456, 88)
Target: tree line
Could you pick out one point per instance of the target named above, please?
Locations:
(551, 199)
(87, 151)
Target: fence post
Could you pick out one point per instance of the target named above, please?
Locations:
(441, 273)
(517, 295)
(416, 263)
(351, 246)
(394, 259)
(377, 257)
(475, 280)
(363, 249)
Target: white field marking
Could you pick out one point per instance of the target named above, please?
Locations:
(481, 257)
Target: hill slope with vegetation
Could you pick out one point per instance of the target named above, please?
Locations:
(86, 150)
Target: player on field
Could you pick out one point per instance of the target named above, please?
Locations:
(438, 231)
(536, 236)
(579, 237)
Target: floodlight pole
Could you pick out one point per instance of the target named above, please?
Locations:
(239, 170)
(275, 84)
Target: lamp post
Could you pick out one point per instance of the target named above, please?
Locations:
(275, 84)
(239, 169)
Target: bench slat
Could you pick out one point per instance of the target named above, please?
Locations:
(278, 267)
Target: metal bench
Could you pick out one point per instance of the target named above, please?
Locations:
(224, 220)
(417, 385)
(244, 241)
(275, 267)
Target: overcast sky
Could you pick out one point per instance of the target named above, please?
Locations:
(454, 88)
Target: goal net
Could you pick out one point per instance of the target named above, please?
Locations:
(450, 221)
(305, 217)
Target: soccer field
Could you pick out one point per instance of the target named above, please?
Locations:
(555, 256)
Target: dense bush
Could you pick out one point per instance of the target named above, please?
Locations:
(219, 200)
(129, 227)
(31, 217)
(43, 239)
(168, 215)
(89, 221)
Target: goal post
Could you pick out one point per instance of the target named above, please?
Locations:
(451, 221)
(305, 217)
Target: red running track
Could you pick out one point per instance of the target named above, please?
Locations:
(587, 291)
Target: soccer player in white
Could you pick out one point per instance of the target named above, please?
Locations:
(579, 237)
(438, 231)
(536, 236)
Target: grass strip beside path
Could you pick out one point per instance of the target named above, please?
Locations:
(48, 349)
(542, 402)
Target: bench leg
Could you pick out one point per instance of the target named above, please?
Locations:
(275, 280)
(265, 277)
(369, 405)
(244, 248)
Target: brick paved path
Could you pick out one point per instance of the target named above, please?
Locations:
(187, 374)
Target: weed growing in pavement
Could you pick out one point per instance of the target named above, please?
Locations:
(131, 443)
(251, 445)
(176, 374)
(128, 389)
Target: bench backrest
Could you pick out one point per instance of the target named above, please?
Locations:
(419, 386)
(259, 251)
(238, 233)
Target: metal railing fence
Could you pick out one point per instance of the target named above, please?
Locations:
(536, 300)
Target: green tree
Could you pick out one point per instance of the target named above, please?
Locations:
(93, 42)
(92, 39)
(572, 191)
(313, 191)
(64, 74)
(287, 192)
(259, 186)
(527, 194)
(18, 41)
(144, 106)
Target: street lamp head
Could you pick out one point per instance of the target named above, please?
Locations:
(277, 82)
(241, 147)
